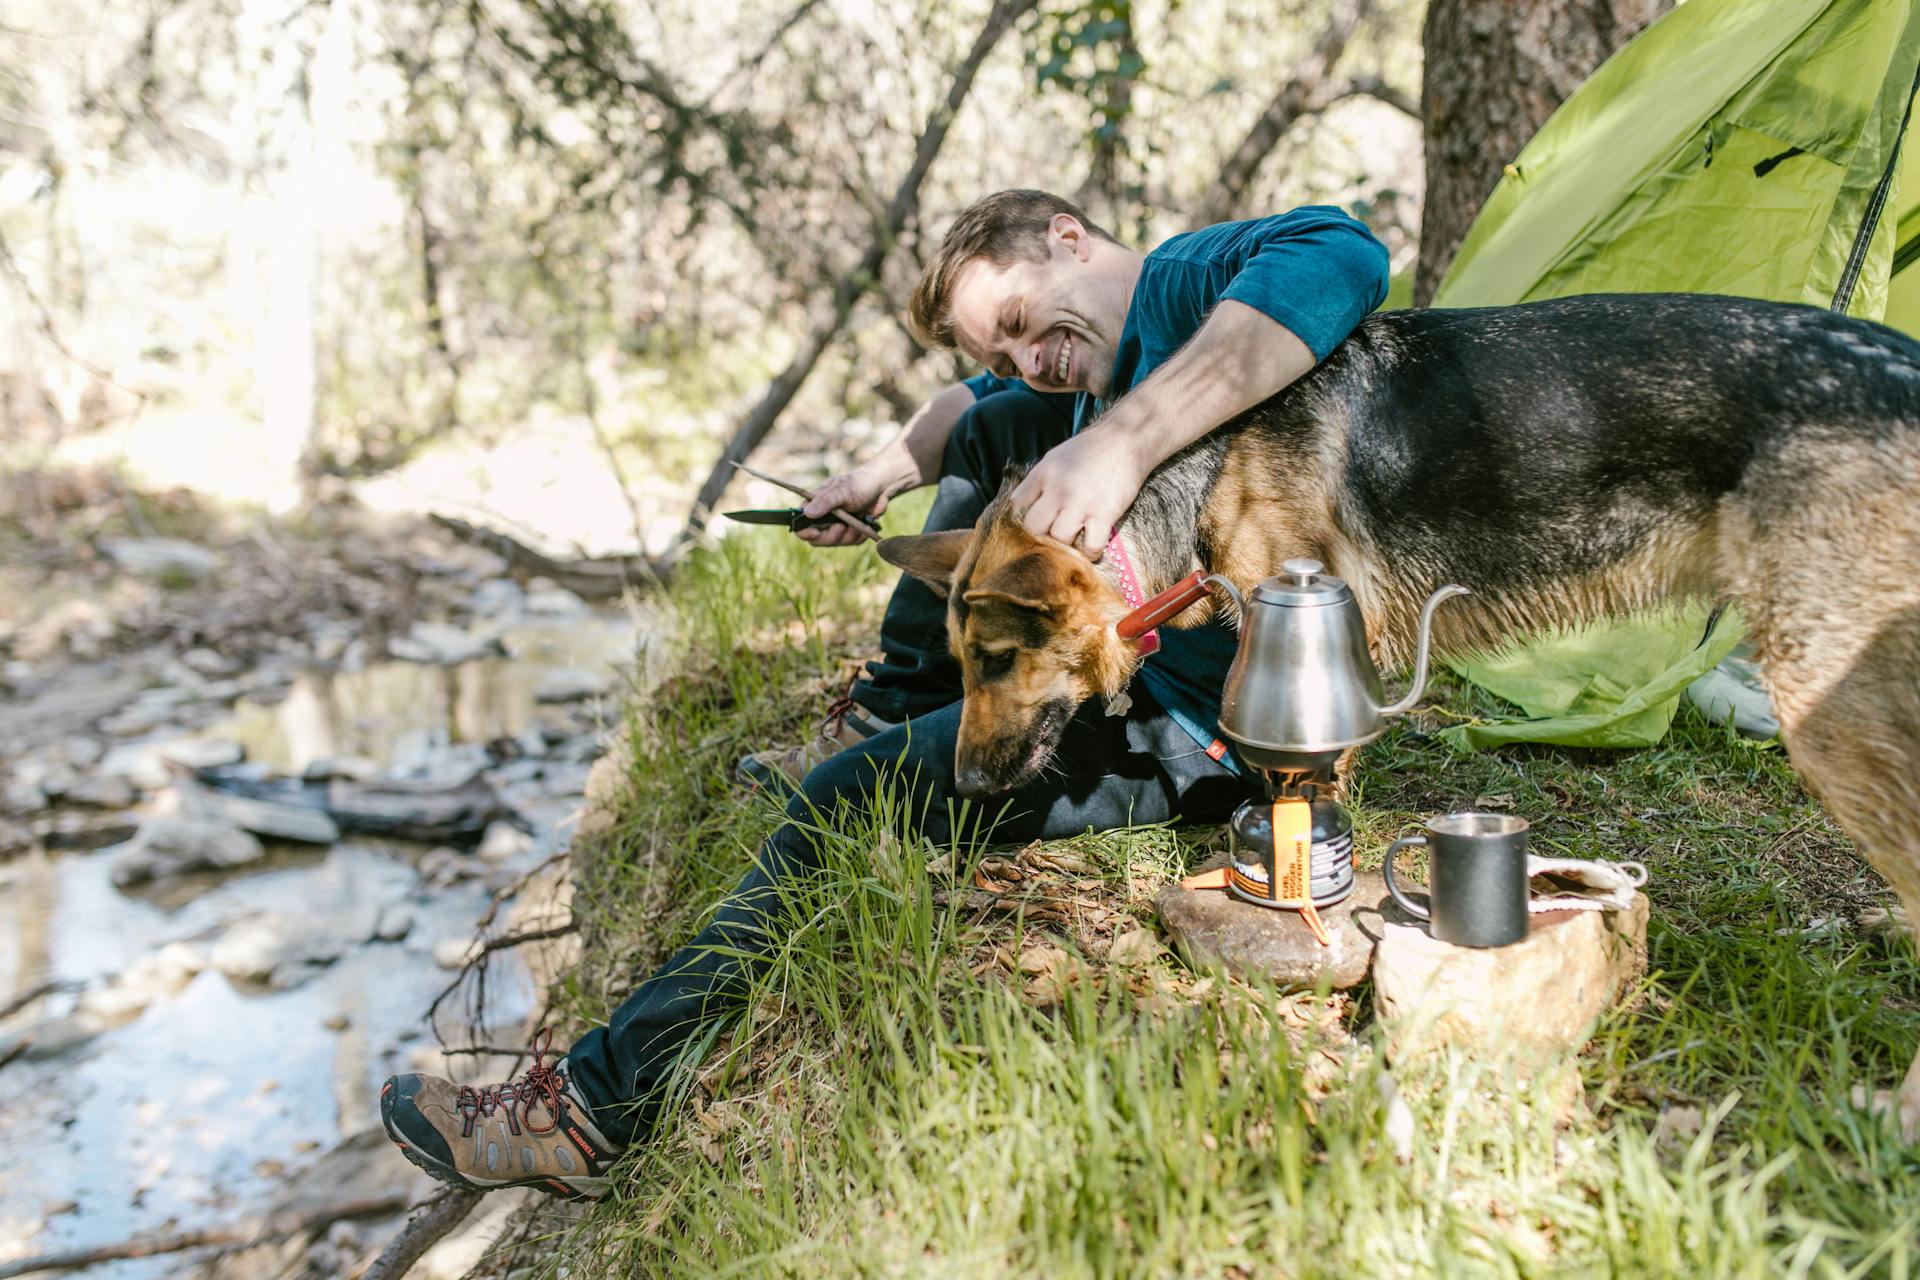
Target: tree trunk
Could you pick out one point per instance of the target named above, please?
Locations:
(865, 274)
(1495, 70)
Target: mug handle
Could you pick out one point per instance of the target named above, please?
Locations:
(1393, 886)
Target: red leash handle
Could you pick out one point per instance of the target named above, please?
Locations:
(1173, 600)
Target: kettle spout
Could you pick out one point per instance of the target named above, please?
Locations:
(1420, 656)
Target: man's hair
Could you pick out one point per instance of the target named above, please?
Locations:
(1002, 228)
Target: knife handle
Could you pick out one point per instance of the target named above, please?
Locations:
(1168, 603)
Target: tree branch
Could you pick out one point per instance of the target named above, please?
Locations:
(430, 1222)
(865, 274)
(1306, 88)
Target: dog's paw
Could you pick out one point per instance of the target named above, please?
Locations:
(1890, 1104)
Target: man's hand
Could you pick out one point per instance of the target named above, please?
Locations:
(1079, 491)
(857, 492)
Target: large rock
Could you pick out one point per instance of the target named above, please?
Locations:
(1529, 1002)
(443, 644)
(286, 950)
(177, 844)
(572, 684)
(1212, 927)
(162, 558)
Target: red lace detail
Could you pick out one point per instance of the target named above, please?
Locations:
(837, 711)
(542, 1084)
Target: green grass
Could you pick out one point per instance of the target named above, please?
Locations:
(926, 1089)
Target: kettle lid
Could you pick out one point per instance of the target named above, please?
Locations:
(1301, 582)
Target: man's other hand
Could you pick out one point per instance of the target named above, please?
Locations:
(1081, 489)
(858, 493)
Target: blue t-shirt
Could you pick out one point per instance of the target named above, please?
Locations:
(1316, 271)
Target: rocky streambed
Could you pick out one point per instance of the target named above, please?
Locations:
(210, 958)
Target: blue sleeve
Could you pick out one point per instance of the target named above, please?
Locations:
(985, 384)
(1315, 270)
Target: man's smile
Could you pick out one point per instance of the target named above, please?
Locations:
(1062, 367)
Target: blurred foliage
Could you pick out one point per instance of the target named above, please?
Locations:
(567, 209)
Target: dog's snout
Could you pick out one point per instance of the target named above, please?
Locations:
(973, 782)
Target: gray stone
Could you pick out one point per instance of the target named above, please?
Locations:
(1212, 927)
(394, 923)
(443, 644)
(502, 841)
(286, 950)
(272, 820)
(444, 866)
(496, 597)
(82, 751)
(1528, 1002)
(14, 838)
(101, 791)
(203, 753)
(350, 767)
(554, 602)
(141, 764)
(161, 557)
(74, 829)
(583, 748)
(177, 844)
(571, 684)
(209, 663)
(23, 795)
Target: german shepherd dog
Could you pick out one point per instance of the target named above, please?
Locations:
(1566, 460)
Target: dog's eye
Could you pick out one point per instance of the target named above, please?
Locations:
(993, 664)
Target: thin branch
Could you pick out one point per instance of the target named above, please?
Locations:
(429, 1224)
(1374, 87)
(1307, 88)
(262, 1232)
(773, 41)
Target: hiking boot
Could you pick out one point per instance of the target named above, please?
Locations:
(780, 770)
(535, 1132)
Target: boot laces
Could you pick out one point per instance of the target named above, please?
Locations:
(837, 711)
(542, 1084)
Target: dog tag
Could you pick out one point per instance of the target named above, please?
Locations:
(1120, 703)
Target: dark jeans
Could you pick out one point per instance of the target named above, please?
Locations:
(1110, 772)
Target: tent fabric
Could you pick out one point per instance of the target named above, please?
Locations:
(1735, 146)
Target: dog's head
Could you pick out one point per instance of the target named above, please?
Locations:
(1032, 624)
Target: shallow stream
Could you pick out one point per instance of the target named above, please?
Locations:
(197, 1111)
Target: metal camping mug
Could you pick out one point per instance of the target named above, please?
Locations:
(1476, 878)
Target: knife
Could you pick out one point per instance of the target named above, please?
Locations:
(793, 518)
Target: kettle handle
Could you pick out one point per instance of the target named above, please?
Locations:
(1174, 600)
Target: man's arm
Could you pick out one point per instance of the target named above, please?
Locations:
(909, 460)
(1299, 284)
(1082, 487)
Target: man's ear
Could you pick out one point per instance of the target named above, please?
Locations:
(1068, 232)
(930, 557)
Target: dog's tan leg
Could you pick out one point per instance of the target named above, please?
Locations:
(1848, 698)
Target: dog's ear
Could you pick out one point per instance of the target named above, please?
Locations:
(1036, 580)
(930, 557)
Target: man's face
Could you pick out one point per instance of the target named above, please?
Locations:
(1054, 323)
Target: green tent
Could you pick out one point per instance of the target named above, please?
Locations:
(1736, 146)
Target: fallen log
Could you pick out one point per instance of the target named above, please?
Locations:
(600, 578)
(260, 1231)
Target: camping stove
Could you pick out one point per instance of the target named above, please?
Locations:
(1270, 872)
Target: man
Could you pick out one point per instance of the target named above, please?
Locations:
(1161, 349)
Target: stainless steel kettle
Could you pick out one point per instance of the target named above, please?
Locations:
(1303, 687)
